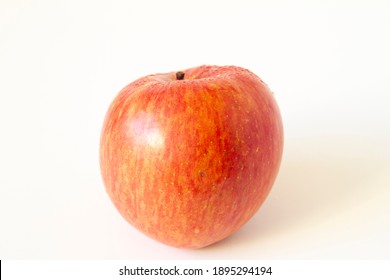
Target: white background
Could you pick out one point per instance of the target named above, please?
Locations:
(328, 62)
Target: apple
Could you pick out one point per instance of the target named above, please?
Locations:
(188, 157)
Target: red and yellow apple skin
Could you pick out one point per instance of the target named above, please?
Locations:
(189, 160)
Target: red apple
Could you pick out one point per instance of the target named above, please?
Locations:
(188, 157)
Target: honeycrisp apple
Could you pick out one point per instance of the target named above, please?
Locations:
(188, 157)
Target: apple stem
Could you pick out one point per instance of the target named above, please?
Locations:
(180, 75)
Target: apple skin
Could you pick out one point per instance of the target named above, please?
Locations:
(188, 162)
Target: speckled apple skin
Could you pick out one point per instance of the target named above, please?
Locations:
(188, 162)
